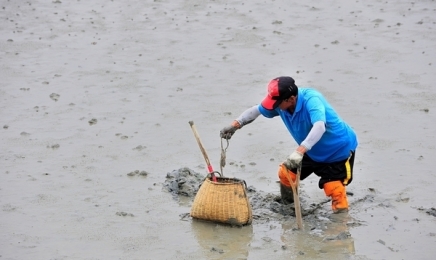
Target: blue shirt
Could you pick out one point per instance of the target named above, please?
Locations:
(338, 139)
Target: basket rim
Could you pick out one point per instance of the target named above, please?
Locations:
(236, 180)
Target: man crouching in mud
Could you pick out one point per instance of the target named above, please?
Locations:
(327, 144)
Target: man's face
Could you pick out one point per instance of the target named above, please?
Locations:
(289, 104)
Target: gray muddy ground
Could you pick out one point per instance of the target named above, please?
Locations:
(96, 96)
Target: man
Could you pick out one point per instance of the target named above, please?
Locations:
(327, 144)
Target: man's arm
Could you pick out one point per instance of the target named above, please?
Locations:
(245, 118)
(248, 116)
(294, 160)
(318, 129)
(317, 116)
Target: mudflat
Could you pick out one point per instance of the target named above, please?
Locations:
(96, 97)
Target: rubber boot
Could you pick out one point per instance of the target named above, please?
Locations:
(285, 186)
(336, 190)
(286, 194)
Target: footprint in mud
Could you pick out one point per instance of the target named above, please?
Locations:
(139, 148)
(124, 137)
(138, 173)
(124, 214)
(54, 147)
(431, 211)
(92, 121)
(218, 250)
(8, 208)
(54, 96)
(341, 236)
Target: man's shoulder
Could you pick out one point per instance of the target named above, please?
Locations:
(309, 92)
(312, 96)
(267, 113)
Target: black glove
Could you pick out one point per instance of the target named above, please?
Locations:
(228, 131)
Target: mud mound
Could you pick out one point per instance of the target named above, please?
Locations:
(269, 206)
(183, 181)
(265, 206)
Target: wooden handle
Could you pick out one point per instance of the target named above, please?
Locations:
(203, 151)
(197, 137)
(294, 186)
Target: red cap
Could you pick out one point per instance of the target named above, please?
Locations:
(279, 89)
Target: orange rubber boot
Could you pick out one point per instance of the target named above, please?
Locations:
(284, 173)
(285, 186)
(336, 190)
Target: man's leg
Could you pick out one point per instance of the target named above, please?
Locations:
(285, 187)
(336, 190)
(334, 178)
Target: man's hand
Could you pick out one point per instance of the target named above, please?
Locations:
(294, 160)
(228, 131)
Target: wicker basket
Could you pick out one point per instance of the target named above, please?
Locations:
(224, 201)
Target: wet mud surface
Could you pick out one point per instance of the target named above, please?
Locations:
(98, 160)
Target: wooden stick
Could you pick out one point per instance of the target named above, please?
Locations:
(294, 186)
(203, 151)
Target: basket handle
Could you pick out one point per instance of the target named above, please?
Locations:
(245, 184)
(214, 173)
(207, 177)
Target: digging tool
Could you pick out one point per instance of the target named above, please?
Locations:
(203, 151)
(294, 186)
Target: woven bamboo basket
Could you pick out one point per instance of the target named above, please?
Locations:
(223, 201)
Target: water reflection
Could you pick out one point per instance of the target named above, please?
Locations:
(322, 238)
(223, 241)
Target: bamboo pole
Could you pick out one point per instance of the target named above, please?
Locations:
(294, 186)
